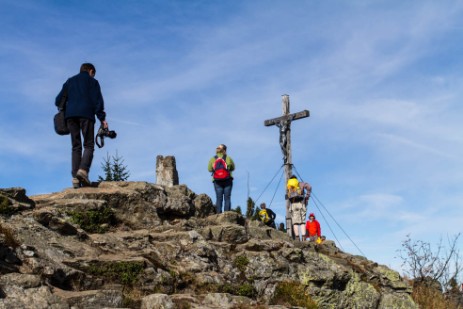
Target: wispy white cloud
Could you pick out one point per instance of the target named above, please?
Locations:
(420, 147)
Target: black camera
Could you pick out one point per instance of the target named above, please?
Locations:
(102, 133)
(106, 133)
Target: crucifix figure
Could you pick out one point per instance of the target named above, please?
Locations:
(284, 125)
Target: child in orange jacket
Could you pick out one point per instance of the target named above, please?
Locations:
(313, 228)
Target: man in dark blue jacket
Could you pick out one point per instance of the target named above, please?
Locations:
(84, 101)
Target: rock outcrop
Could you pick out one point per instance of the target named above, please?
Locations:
(142, 245)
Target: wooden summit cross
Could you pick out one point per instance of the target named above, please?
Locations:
(284, 124)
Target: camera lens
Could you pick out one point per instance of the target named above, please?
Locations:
(112, 134)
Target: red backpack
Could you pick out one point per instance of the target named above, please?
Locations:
(220, 168)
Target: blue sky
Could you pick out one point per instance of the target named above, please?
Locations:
(383, 147)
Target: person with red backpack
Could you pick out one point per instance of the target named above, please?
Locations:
(221, 167)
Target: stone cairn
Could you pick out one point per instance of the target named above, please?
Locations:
(166, 171)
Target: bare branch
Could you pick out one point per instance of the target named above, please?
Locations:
(421, 262)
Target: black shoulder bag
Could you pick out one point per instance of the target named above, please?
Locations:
(59, 121)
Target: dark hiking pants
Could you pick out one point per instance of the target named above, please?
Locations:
(87, 127)
(223, 191)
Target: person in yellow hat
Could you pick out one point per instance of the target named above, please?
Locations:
(298, 194)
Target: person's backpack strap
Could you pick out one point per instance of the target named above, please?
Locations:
(224, 158)
(213, 164)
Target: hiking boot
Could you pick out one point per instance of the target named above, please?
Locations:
(82, 175)
(75, 183)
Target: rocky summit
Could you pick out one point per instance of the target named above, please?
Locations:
(144, 245)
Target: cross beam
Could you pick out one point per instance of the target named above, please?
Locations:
(270, 122)
(284, 125)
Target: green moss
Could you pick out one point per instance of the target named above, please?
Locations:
(93, 221)
(291, 293)
(5, 208)
(227, 288)
(241, 262)
(390, 274)
(245, 289)
(123, 271)
(325, 258)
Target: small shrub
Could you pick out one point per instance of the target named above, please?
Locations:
(9, 238)
(429, 297)
(131, 298)
(422, 261)
(247, 290)
(290, 293)
(228, 288)
(122, 271)
(241, 262)
(206, 287)
(5, 208)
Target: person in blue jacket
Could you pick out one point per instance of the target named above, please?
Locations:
(84, 102)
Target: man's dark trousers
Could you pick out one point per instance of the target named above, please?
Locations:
(87, 127)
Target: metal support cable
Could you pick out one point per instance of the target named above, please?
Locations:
(315, 202)
(345, 233)
(276, 189)
(255, 202)
(329, 226)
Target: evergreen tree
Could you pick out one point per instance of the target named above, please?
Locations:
(255, 216)
(250, 208)
(107, 169)
(114, 169)
(120, 172)
(238, 210)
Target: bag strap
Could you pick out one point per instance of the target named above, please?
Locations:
(224, 158)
